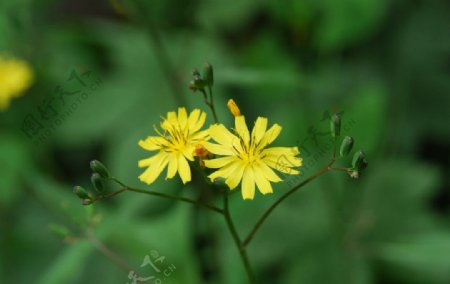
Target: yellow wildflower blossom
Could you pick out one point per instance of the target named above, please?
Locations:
(175, 145)
(247, 158)
(15, 77)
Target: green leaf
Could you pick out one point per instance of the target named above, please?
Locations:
(67, 267)
(346, 22)
(418, 259)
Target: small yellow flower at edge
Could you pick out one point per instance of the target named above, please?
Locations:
(175, 145)
(246, 156)
(15, 77)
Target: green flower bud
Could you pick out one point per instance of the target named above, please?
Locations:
(195, 73)
(198, 84)
(97, 182)
(98, 167)
(335, 125)
(208, 74)
(346, 146)
(359, 161)
(81, 192)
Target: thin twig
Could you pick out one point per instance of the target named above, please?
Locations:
(286, 195)
(237, 241)
(168, 196)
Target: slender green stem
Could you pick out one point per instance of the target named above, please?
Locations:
(209, 102)
(340, 169)
(106, 196)
(237, 241)
(168, 196)
(286, 195)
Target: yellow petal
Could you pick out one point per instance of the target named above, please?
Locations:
(281, 166)
(218, 149)
(147, 162)
(219, 162)
(155, 169)
(268, 172)
(286, 155)
(270, 136)
(183, 169)
(225, 171)
(172, 118)
(248, 184)
(261, 181)
(221, 135)
(182, 117)
(235, 177)
(259, 129)
(193, 116)
(196, 120)
(200, 135)
(173, 166)
(152, 143)
(242, 129)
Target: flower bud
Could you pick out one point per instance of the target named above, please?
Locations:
(346, 146)
(335, 125)
(195, 73)
(97, 182)
(81, 192)
(359, 161)
(98, 167)
(197, 84)
(234, 109)
(208, 74)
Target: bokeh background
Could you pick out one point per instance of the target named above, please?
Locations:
(104, 73)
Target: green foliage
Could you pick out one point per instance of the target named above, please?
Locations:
(384, 65)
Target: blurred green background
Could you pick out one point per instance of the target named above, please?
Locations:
(106, 71)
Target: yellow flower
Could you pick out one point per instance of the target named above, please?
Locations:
(247, 158)
(175, 145)
(15, 77)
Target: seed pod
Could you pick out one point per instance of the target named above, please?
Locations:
(81, 192)
(346, 146)
(98, 167)
(208, 74)
(97, 182)
(335, 125)
(359, 162)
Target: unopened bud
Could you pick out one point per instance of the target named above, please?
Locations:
(81, 192)
(335, 125)
(234, 109)
(359, 161)
(97, 182)
(98, 167)
(346, 146)
(195, 73)
(208, 74)
(198, 84)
